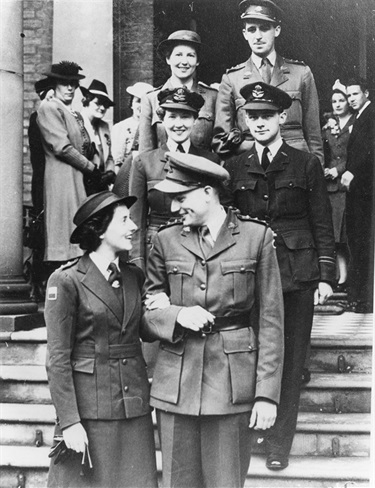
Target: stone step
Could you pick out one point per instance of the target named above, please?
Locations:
(339, 359)
(337, 393)
(316, 472)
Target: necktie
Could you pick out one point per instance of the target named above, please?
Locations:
(204, 240)
(180, 148)
(265, 69)
(265, 161)
(114, 278)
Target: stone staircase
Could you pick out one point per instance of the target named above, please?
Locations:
(331, 447)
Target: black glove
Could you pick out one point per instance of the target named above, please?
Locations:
(60, 452)
(107, 178)
(92, 181)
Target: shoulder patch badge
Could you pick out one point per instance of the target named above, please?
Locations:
(52, 293)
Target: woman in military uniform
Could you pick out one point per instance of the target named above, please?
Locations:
(182, 52)
(96, 371)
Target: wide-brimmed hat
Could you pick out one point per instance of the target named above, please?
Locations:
(260, 10)
(260, 96)
(65, 70)
(92, 205)
(139, 89)
(97, 89)
(43, 86)
(188, 172)
(180, 98)
(181, 37)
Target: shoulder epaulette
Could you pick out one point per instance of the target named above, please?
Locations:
(207, 86)
(247, 218)
(236, 68)
(69, 264)
(169, 224)
(295, 61)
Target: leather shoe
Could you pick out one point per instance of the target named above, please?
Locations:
(276, 463)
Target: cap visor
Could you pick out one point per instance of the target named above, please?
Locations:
(256, 106)
(168, 186)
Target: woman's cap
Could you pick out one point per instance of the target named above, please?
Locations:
(139, 89)
(188, 172)
(97, 89)
(260, 10)
(65, 70)
(338, 86)
(181, 99)
(260, 96)
(92, 205)
(180, 37)
(43, 86)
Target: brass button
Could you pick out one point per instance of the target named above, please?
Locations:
(203, 335)
(124, 361)
(242, 269)
(291, 183)
(265, 197)
(126, 388)
(243, 188)
(203, 262)
(203, 286)
(251, 348)
(175, 269)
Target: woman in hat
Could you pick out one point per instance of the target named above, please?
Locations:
(125, 134)
(96, 371)
(182, 52)
(95, 103)
(68, 150)
(335, 135)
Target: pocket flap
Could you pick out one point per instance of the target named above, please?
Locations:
(242, 185)
(238, 266)
(242, 340)
(177, 348)
(239, 102)
(291, 183)
(178, 267)
(298, 240)
(294, 95)
(83, 365)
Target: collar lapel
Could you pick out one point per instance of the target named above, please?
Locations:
(280, 160)
(225, 238)
(253, 163)
(280, 72)
(129, 284)
(190, 241)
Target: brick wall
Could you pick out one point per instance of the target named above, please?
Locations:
(37, 28)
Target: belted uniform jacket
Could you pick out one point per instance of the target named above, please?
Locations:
(292, 197)
(302, 127)
(220, 373)
(151, 130)
(94, 361)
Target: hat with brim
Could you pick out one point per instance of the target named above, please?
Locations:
(181, 37)
(261, 96)
(264, 10)
(94, 204)
(43, 85)
(97, 89)
(187, 172)
(139, 89)
(65, 70)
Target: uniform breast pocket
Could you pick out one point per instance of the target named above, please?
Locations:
(245, 196)
(180, 280)
(295, 111)
(241, 349)
(238, 281)
(291, 196)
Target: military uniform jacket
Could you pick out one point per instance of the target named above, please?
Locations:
(292, 196)
(151, 131)
(94, 361)
(302, 127)
(220, 373)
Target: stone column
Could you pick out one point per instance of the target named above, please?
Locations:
(15, 302)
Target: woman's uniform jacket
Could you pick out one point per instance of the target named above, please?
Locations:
(302, 127)
(292, 197)
(94, 361)
(65, 143)
(151, 130)
(220, 373)
(152, 208)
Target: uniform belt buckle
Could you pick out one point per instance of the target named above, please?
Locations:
(207, 329)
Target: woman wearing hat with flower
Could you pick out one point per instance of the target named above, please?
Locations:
(96, 371)
(182, 52)
(68, 150)
(95, 105)
(125, 134)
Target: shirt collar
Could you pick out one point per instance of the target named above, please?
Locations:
(363, 108)
(274, 148)
(257, 60)
(172, 145)
(102, 263)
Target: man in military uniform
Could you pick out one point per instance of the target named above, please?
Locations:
(286, 187)
(261, 26)
(214, 378)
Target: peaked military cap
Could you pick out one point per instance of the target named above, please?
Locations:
(261, 96)
(92, 205)
(188, 172)
(260, 10)
(180, 98)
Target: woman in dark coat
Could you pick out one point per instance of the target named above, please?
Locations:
(96, 371)
(335, 135)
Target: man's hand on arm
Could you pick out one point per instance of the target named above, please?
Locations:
(194, 318)
(157, 301)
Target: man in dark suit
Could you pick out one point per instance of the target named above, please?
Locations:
(286, 188)
(214, 378)
(358, 179)
(261, 27)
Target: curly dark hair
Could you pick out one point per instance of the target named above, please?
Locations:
(92, 229)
